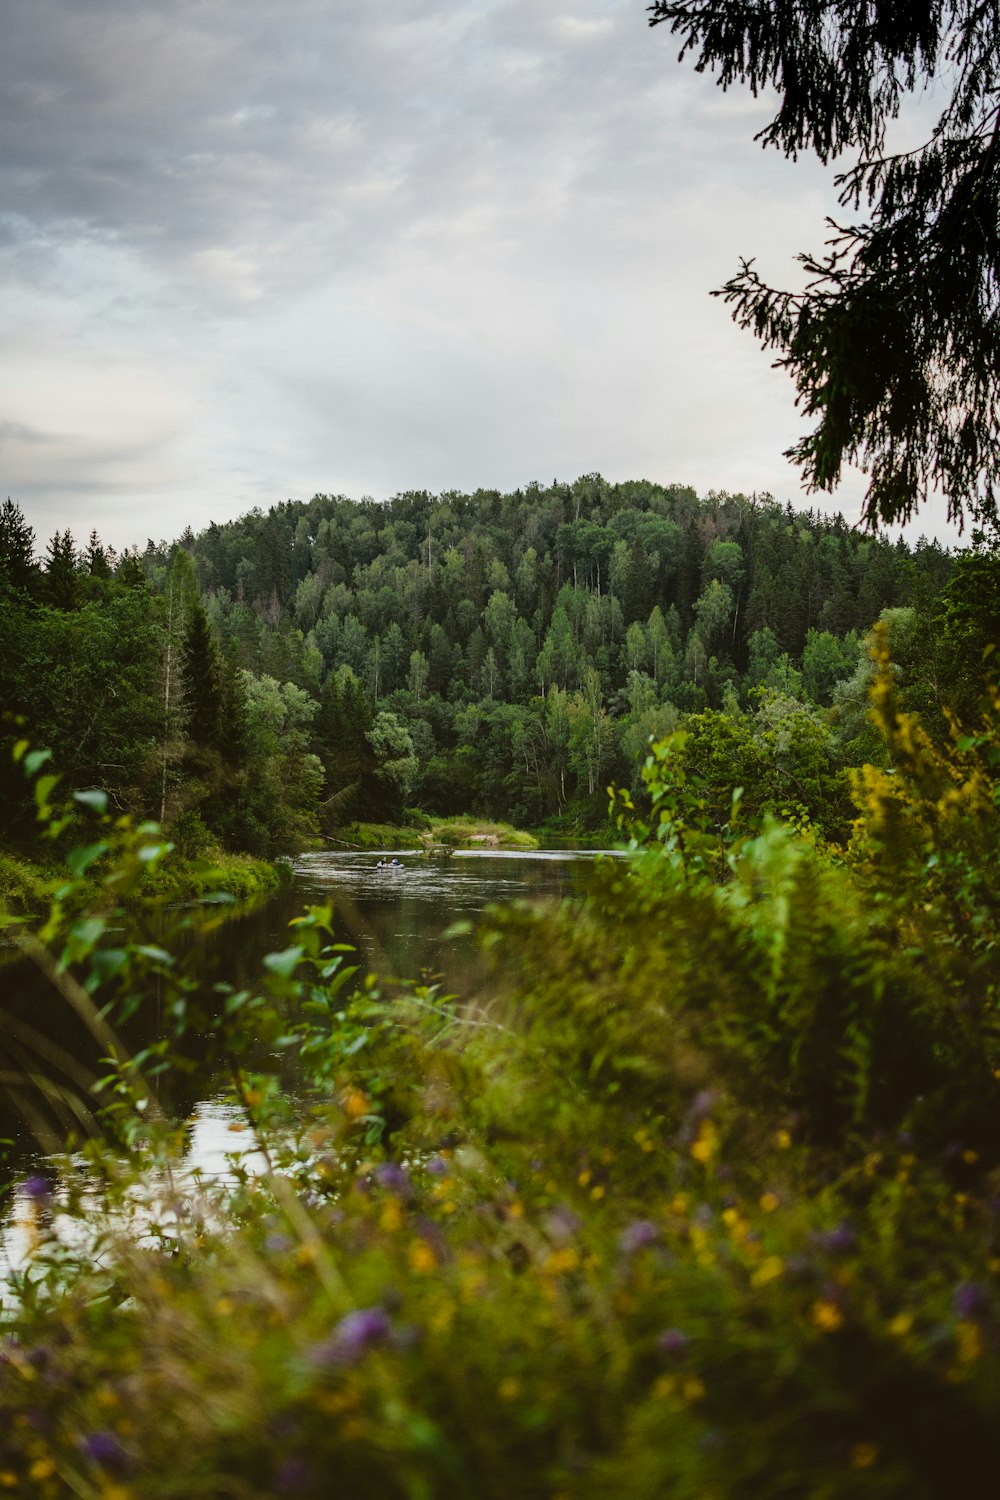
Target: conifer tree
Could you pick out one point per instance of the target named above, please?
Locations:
(894, 344)
(203, 682)
(17, 547)
(61, 571)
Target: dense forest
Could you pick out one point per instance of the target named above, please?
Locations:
(268, 680)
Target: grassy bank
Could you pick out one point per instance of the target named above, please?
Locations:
(241, 876)
(26, 885)
(465, 832)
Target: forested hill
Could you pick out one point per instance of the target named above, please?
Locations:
(503, 653)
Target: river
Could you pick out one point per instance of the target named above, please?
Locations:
(396, 915)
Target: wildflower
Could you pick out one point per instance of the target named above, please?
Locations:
(707, 1143)
(863, 1455)
(769, 1202)
(838, 1241)
(105, 1448)
(394, 1178)
(438, 1167)
(638, 1236)
(38, 1189)
(702, 1104)
(277, 1244)
(673, 1342)
(292, 1475)
(827, 1316)
(768, 1270)
(971, 1301)
(561, 1224)
(422, 1258)
(970, 1344)
(353, 1336)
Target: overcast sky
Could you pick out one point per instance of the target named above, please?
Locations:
(255, 249)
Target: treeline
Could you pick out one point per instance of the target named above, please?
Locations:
(510, 654)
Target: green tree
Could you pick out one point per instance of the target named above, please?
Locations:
(894, 345)
(61, 577)
(17, 547)
(202, 679)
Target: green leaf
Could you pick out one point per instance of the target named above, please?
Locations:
(88, 933)
(283, 964)
(151, 852)
(34, 762)
(82, 858)
(158, 955)
(93, 798)
(43, 786)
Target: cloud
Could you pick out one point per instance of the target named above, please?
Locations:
(255, 248)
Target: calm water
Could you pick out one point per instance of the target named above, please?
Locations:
(397, 917)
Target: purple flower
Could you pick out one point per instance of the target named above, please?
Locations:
(561, 1224)
(394, 1178)
(37, 1187)
(672, 1342)
(839, 1241)
(971, 1300)
(292, 1476)
(702, 1104)
(105, 1448)
(353, 1336)
(277, 1244)
(638, 1236)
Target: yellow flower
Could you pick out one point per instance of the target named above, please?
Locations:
(827, 1316)
(769, 1202)
(509, 1389)
(355, 1104)
(768, 1270)
(422, 1258)
(693, 1389)
(392, 1216)
(970, 1345)
(901, 1325)
(559, 1261)
(707, 1144)
(863, 1455)
(782, 1140)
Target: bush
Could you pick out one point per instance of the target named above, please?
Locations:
(694, 1205)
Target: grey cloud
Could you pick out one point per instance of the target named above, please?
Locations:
(21, 433)
(311, 139)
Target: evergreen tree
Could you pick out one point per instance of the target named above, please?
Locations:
(17, 547)
(61, 580)
(895, 342)
(202, 676)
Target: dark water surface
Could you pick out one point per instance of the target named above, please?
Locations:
(396, 916)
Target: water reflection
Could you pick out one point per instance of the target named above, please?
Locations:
(396, 916)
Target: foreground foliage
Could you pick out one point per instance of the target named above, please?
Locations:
(702, 1203)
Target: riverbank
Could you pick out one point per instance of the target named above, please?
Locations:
(464, 832)
(26, 885)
